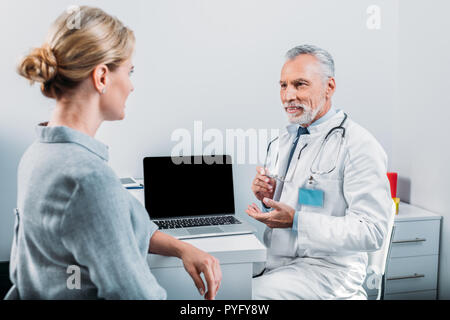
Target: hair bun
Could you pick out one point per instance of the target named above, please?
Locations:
(40, 65)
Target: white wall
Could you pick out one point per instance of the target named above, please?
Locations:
(215, 61)
(420, 144)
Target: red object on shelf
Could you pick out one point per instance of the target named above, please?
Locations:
(392, 176)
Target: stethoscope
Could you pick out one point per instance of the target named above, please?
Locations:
(335, 130)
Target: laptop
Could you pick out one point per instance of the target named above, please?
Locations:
(192, 196)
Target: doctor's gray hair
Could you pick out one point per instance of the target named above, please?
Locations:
(324, 57)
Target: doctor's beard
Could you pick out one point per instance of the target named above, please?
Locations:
(308, 114)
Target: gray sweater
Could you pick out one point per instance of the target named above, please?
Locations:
(75, 218)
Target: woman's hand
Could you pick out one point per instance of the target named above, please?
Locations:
(196, 262)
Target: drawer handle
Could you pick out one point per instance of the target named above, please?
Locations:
(414, 276)
(410, 241)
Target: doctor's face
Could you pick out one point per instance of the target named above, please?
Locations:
(304, 94)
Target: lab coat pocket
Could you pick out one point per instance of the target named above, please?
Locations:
(283, 242)
(333, 197)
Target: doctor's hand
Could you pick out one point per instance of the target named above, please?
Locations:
(281, 217)
(262, 185)
(195, 262)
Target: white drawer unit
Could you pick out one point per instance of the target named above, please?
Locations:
(412, 269)
(415, 238)
(415, 295)
(412, 274)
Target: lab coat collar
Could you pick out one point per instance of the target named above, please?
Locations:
(64, 134)
(325, 126)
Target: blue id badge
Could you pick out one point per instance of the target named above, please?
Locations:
(310, 197)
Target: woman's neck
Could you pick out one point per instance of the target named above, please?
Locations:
(79, 114)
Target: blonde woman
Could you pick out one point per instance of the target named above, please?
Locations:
(72, 208)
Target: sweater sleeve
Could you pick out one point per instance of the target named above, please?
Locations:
(98, 231)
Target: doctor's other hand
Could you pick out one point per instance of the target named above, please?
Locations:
(263, 186)
(195, 262)
(282, 215)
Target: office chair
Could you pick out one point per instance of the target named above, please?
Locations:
(376, 269)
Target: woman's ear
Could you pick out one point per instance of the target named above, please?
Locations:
(100, 78)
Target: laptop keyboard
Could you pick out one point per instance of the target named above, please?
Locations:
(196, 222)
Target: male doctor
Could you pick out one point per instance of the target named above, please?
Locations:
(325, 195)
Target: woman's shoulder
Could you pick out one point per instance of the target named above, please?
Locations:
(68, 161)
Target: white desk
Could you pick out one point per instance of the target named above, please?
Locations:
(236, 254)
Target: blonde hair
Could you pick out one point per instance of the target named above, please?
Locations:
(71, 54)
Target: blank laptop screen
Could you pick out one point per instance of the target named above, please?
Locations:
(191, 188)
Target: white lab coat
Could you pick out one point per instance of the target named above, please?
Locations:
(327, 257)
